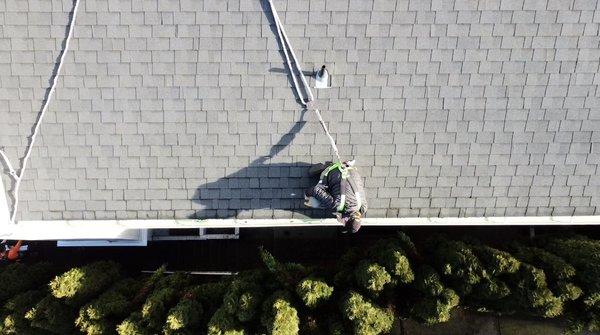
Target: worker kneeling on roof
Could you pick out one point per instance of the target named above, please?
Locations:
(340, 189)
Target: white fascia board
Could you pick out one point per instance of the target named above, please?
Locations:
(135, 238)
(122, 229)
(65, 230)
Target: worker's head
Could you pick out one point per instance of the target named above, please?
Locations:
(352, 222)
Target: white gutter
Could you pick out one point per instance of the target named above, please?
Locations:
(124, 229)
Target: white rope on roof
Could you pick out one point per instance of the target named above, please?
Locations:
(19, 177)
(297, 72)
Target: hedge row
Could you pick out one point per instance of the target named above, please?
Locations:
(367, 291)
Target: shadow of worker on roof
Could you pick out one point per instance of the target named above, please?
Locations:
(262, 189)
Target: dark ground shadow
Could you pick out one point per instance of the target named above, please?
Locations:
(262, 189)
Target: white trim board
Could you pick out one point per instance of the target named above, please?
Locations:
(138, 238)
(121, 229)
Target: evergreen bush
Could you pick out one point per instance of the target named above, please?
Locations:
(101, 315)
(532, 295)
(133, 325)
(13, 314)
(17, 277)
(80, 284)
(279, 316)
(365, 317)
(435, 309)
(186, 315)
(243, 298)
(389, 253)
(51, 315)
(372, 277)
(456, 261)
(224, 323)
(558, 277)
(313, 292)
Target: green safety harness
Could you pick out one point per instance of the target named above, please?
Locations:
(345, 171)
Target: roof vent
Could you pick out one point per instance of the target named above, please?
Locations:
(322, 78)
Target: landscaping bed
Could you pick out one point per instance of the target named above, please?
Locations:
(441, 285)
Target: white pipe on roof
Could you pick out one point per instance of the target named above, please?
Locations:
(283, 38)
(122, 229)
(19, 177)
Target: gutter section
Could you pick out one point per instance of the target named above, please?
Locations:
(129, 229)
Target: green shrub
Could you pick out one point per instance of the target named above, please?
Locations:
(184, 316)
(79, 285)
(390, 254)
(427, 281)
(496, 261)
(555, 268)
(149, 284)
(584, 255)
(532, 294)
(210, 294)
(133, 325)
(436, 302)
(490, 290)
(52, 315)
(13, 316)
(223, 323)
(243, 298)
(435, 309)
(101, 315)
(17, 277)
(177, 280)
(560, 274)
(344, 275)
(157, 304)
(287, 274)
(399, 267)
(161, 293)
(372, 277)
(366, 318)
(313, 292)
(407, 245)
(279, 316)
(457, 262)
(568, 291)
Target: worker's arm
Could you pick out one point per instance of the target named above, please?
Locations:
(334, 180)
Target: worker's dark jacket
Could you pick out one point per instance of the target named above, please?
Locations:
(337, 192)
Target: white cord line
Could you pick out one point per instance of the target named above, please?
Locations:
(38, 123)
(286, 44)
(279, 28)
(331, 140)
(289, 44)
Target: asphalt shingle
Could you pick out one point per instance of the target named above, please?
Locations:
(183, 108)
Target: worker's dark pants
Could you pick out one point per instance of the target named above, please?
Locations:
(320, 193)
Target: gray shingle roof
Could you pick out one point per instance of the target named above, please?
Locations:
(177, 108)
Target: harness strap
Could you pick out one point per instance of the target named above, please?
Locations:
(345, 171)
